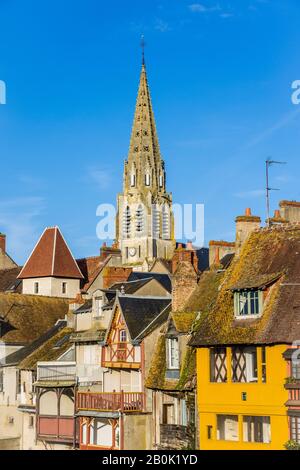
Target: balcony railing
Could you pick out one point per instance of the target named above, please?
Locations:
(111, 401)
(56, 371)
(54, 428)
(293, 388)
(121, 353)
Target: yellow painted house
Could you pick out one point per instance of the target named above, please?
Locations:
(248, 394)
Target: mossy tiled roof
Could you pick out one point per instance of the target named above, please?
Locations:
(268, 254)
(201, 299)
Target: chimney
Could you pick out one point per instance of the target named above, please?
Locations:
(112, 275)
(184, 281)
(290, 211)
(3, 242)
(185, 254)
(218, 249)
(245, 225)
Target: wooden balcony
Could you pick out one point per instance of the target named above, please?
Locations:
(56, 371)
(122, 356)
(55, 429)
(111, 401)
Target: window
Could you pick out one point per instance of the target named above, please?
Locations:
(98, 307)
(147, 179)
(168, 416)
(184, 417)
(227, 428)
(295, 428)
(36, 288)
(156, 221)
(256, 429)
(165, 222)
(161, 181)
(244, 364)
(140, 219)
(1, 380)
(139, 251)
(218, 365)
(127, 222)
(31, 421)
(123, 336)
(64, 288)
(173, 353)
(247, 303)
(132, 180)
(209, 431)
(18, 382)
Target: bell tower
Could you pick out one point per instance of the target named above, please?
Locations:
(145, 222)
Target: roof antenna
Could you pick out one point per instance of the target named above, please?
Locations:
(143, 44)
(270, 162)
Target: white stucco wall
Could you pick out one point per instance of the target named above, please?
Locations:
(52, 287)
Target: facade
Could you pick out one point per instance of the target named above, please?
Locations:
(51, 269)
(145, 223)
(119, 416)
(246, 399)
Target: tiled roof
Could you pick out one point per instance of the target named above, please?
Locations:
(266, 254)
(50, 350)
(9, 281)
(90, 267)
(51, 257)
(30, 316)
(18, 356)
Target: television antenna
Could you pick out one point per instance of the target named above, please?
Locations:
(270, 162)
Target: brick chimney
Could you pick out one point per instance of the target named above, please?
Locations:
(106, 251)
(245, 225)
(185, 254)
(112, 275)
(2, 242)
(277, 219)
(218, 249)
(184, 281)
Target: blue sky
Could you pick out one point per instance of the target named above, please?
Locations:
(220, 74)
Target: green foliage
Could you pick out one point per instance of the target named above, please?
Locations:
(292, 445)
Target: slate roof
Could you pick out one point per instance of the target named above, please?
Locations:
(51, 257)
(162, 278)
(29, 315)
(143, 314)
(269, 255)
(129, 287)
(18, 356)
(84, 308)
(9, 281)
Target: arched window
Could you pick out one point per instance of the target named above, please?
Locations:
(161, 181)
(127, 222)
(139, 217)
(147, 179)
(166, 222)
(132, 180)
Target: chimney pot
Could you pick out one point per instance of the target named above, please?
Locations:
(189, 245)
(277, 214)
(248, 211)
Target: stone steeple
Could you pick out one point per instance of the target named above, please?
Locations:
(144, 162)
(145, 223)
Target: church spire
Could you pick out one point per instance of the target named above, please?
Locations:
(144, 160)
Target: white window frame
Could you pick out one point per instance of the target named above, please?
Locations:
(238, 295)
(173, 353)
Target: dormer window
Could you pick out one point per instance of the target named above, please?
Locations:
(98, 307)
(173, 353)
(248, 303)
